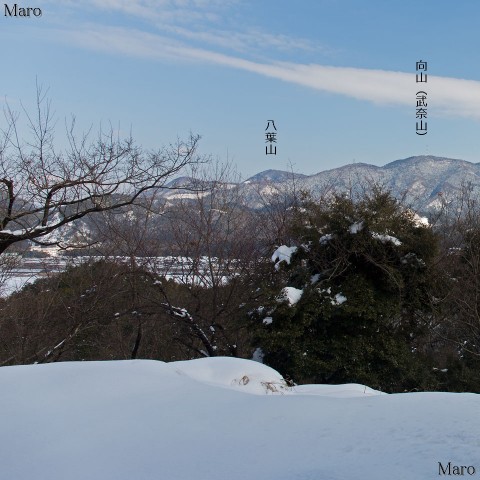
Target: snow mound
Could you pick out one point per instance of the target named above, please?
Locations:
(386, 238)
(233, 373)
(291, 295)
(356, 227)
(149, 420)
(324, 239)
(339, 299)
(420, 221)
(283, 254)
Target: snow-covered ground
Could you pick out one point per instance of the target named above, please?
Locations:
(15, 282)
(172, 267)
(222, 419)
(28, 270)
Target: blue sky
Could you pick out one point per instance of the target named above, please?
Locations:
(337, 76)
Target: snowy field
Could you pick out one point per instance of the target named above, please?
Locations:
(222, 419)
(172, 267)
(28, 270)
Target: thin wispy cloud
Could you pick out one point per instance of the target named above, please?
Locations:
(179, 11)
(250, 40)
(446, 96)
(204, 22)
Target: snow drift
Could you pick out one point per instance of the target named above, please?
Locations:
(221, 418)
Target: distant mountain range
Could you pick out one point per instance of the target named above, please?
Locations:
(424, 181)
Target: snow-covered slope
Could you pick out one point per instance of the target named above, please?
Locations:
(421, 178)
(276, 176)
(216, 419)
(427, 181)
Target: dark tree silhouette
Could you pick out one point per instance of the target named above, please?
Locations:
(42, 189)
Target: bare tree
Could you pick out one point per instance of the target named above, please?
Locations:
(458, 227)
(215, 256)
(42, 189)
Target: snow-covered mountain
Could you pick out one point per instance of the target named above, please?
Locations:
(424, 181)
(273, 176)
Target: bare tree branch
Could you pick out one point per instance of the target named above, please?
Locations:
(41, 190)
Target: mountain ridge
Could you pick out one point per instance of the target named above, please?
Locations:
(425, 182)
(418, 179)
